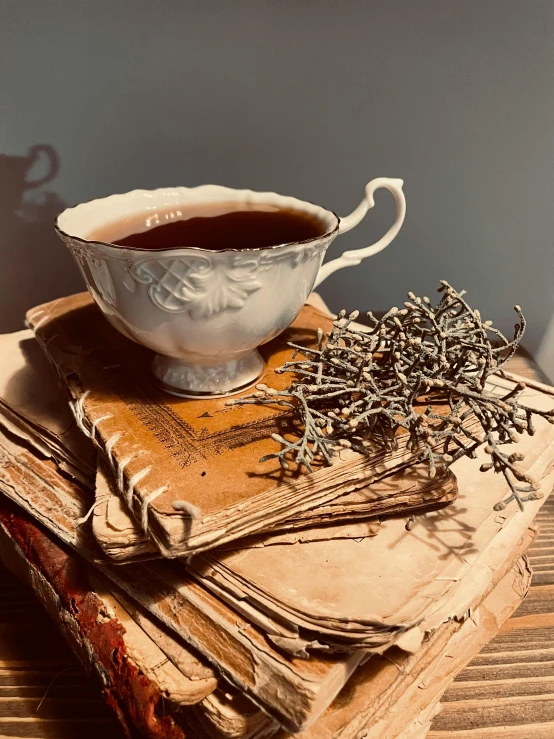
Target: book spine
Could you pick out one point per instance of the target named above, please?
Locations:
(60, 581)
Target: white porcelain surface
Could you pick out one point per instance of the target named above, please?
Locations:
(205, 312)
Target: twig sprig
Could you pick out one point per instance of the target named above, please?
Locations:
(419, 370)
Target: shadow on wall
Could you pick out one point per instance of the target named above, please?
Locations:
(31, 256)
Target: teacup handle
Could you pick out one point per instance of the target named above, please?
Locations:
(351, 258)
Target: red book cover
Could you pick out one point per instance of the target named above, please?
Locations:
(61, 581)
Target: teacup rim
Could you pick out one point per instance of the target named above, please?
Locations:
(90, 242)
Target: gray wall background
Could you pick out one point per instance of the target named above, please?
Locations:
(309, 98)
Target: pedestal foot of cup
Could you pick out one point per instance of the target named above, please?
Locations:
(195, 381)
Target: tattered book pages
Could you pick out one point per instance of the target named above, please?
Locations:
(35, 408)
(43, 493)
(386, 698)
(408, 492)
(392, 696)
(224, 712)
(190, 469)
(51, 498)
(348, 594)
(294, 691)
(139, 677)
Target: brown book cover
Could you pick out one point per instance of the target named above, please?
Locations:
(35, 409)
(190, 469)
(353, 516)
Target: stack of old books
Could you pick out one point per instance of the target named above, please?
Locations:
(218, 596)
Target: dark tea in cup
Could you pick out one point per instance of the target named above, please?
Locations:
(216, 227)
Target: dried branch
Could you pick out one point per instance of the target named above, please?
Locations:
(362, 389)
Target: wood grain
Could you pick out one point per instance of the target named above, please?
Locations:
(44, 692)
(506, 692)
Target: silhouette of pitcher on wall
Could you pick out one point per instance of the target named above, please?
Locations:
(34, 267)
(15, 176)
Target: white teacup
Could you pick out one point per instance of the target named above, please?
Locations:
(205, 312)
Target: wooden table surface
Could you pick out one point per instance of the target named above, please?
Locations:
(506, 692)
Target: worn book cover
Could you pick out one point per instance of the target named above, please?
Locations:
(190, 469)
(34, 408)
(352, 516)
